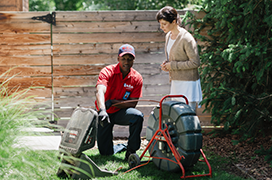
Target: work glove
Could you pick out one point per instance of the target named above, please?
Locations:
(103, 117)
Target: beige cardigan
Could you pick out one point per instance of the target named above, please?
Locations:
(183, 57)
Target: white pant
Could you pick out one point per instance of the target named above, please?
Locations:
(193, 105)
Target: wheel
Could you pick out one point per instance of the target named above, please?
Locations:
(185, 132)
(134, 160)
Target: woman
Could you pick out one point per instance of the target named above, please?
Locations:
(182, 57)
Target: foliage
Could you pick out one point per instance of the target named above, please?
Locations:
(19, 114)
(16, 160)
(41, 5)
(236, 66)
(84, 5)
(144, 5)
(267, 153)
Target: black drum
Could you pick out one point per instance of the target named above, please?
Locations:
(185, 131)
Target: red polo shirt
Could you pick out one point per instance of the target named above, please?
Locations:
(119, 88)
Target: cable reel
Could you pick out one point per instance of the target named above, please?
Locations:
(184, 130)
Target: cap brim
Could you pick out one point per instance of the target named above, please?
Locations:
(122, 54)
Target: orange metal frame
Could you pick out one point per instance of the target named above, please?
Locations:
(164, 133)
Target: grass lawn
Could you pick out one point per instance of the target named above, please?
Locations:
(150, 171)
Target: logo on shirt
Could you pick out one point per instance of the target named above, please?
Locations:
(125, 97)
(128, 86)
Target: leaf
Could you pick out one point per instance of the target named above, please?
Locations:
(259, 74)
(235, 142)
(237, 114)
(233, 100)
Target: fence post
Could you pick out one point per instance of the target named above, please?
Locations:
(15, 5)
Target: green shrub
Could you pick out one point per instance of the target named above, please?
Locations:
(236, 65)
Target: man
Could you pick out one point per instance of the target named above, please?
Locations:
(116, 84)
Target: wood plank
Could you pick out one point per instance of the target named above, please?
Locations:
(151, 90)
(150, 58)
(126, 15)
(139, 15)
(132, 26)
(106, 16)
(156, 79)
(25, 27)
(110, 48)
(95, 69)
(147, 90)
(149, 80)
(24, 38)
(35, 92)
(29, 49)
(85, 59)
(74, 101)
(11, 5)
(63, 113)
(150, 69)
(7, 16)
(40, 92)
(108, 38)
(77, 70)
(27, 71)
(105, 59)
(25, 82)
(25, 60)
(62, 81)
(74, 91)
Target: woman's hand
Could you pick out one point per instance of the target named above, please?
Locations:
(165, 66)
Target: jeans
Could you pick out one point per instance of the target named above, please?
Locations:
(130, 117)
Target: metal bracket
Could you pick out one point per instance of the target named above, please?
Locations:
(49, 18)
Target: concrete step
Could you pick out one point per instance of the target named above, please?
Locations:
(40, 142)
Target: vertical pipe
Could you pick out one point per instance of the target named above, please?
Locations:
(52, 76)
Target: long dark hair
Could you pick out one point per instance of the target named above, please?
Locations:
(169, 14)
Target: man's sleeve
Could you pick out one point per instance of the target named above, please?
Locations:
(103, 78)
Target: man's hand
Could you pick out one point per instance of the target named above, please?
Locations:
(103, 117)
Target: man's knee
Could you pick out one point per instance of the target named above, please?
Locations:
(135, 112)
(138, 116)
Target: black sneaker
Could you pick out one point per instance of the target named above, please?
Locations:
(128, 153)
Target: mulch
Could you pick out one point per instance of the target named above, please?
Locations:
(244, 162)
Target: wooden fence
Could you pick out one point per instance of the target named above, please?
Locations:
(14, 5)
(61, 60)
